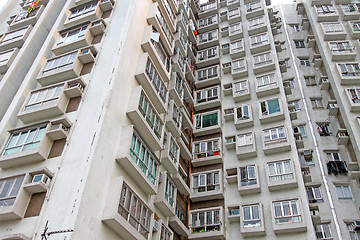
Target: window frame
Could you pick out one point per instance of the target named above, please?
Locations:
(292, 216)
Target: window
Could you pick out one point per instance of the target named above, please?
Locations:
(333, 156)
(134, 211)
(324, 129)
(207, 95)
(288, 65)
(206, 148)
(314, 194)
(44, 97)
(325, 9)
(208, 36)
(280, 171)
(179, 85)
(207, 21)
(354, 233)
(72, 35)
(269, 107)
(274, 134)
(241, 88)
(236, 46)
(316, 103)
(206, 182)
(82, 10)
(14, 35)
(151, 116)
(207, 7)
(300, 129)
(9, 188)
(173, 150)
(295, 27)
(235, 28)
(266, 81)
(299, 43)
(207, 53)
(245, 140)
(310, 80)
(169, 191)
(207, 73)
(323, 231)
(355, 26)
(162, 53)
(333, 27)
(259, 40)
(287, 211)
(165, 233)
(349, 8)
(306, 158)
(206, 120)
(156, 80)
(248, 176)
(238, 65)
(60, 63)
(26, 14)
(349, 69)
(341, 47)
(251, 216)
(344, 192)
(354, 95)
(205, 221)
(164, 26)
(295, 104)
(176, 116)
(263, 59)
(233, 13)
(5, 56)
(252, 6)
(144, 158)
(304, 62)
(25, 140)
(242, 112)
(256, 22)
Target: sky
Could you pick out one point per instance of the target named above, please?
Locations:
(2, 3)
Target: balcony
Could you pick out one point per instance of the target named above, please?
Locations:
(326, 13)
(256, 25)
(181, 42)
(25, 18)
(235, 31)
(178, 222)
(243, 117)
(208, 57)
(65, 66)
(271, 111)
(342, 51)
(207, 152)
(207, 123)
(165, 200)
(207, 186)
(254, 9)
(232, 4)
(207, 77)
(342, 136)
(178, 64)
(170, 155)
(7, 57)
(50, 102)
(349, 73)
(349, 12)
(87, 12)
(277, 142)
(146, 75)
(246, 145)
(239, 68)
(253, 227)
(173, 119)
(176, 88)
(156, 19)
(184, 147)
(333, 31)
(237, 49)
(181, 179)
(353, 95)
(116, 214)
(144, 173)
(17, 152)
(207, 10)
(207, 98)
(208, 24)
(212, 228)
(14, 39)
(281, 175)
(263, 63)
(233, 15)
(182, 21)
(157, 52)
(168, 12)
(208, 39)
(248, 180)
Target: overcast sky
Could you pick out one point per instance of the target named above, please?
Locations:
(2, 3)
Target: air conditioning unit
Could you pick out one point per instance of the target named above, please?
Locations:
(357, 225)
(156, 226)
(40, 178)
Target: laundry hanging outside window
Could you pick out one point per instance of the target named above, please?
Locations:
(32, 6)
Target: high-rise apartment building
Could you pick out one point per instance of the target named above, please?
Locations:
(179, 119)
